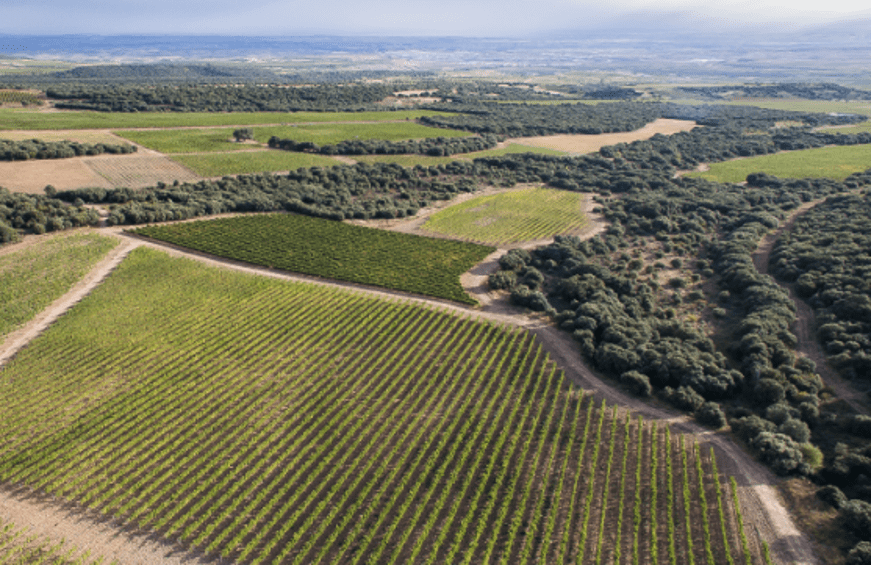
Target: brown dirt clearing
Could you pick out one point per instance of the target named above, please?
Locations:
(584, 143)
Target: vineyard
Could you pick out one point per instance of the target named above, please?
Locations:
(515, 216)
(325, 248)
(30, 279)
(17, 546)
(237, 162)
(185, 405)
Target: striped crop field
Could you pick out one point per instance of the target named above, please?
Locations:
(240, 162)
(272, 422)
(326, 248)
(15, 119)
(32, 277)
(512, 216)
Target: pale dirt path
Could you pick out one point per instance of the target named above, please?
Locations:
(20, 337)
(804, 325)
(760, 502)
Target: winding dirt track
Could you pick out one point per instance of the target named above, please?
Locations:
(55, 519)
(803, 327)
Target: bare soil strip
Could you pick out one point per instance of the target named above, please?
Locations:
(584, 143)
(19, 338)
(760, 503)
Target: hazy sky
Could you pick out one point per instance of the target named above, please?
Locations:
(400, 17)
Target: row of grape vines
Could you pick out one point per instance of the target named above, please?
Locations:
(514, 216)
(272, 422)
(19, 546)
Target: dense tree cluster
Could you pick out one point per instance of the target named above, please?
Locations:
(37, 214)
(11, 150)
(826, 254)
(219, 98)
(686, 150)
(517, 120)
(808, 91)
(431, 146)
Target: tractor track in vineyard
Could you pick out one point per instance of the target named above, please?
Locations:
(55, 518)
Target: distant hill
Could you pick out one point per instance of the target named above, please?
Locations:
(164, 71)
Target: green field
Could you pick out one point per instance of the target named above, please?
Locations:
(512, 216)
(31, 278)
(16, 119)
(271, 422)
(832, 162)
(239, 162)
(220, 139)
(326, 248)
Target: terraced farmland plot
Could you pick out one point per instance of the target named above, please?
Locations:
(332, 249)
(513, 216)
(274, 422)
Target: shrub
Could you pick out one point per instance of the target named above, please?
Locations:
(855, 517)
(812, 456)
(832, 495)
(769, 392)
(751, 426)
(795, 429)
(860, 553)
(778, 413)
(710, 414)
(502, 280)
(683, 398)
(637, 382)
(779, 451)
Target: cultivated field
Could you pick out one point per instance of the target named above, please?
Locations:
(18, 546)
(258, 161)
(325, 248)
(33, 276)
(582, 143)
(512, 216)
(75, 120)
(833, 162)
(254, 427)
(186, 140)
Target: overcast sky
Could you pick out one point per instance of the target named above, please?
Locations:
(400, 17)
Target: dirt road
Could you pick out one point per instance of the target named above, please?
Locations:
(760, 503)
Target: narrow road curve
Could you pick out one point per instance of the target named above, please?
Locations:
(804, 325)
(760, 503)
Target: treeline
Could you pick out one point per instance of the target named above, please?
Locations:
(521, 120)
(220, 98)
(808, 91)
(38, 214)
(826, 255)
(686, 150)
(11, 150)
(431, 146)
(627, 321)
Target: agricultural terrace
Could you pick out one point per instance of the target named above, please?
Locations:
(75, 119)
(32, 277)
(18, 546)
(226, 410)
(837, 162)
(189, 140)
(512, 216)
(326, 248)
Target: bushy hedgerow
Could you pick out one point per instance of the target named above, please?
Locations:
(22, 213)
(431, 146)
(11, 150)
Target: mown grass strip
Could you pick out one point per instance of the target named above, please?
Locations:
(831, 162)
